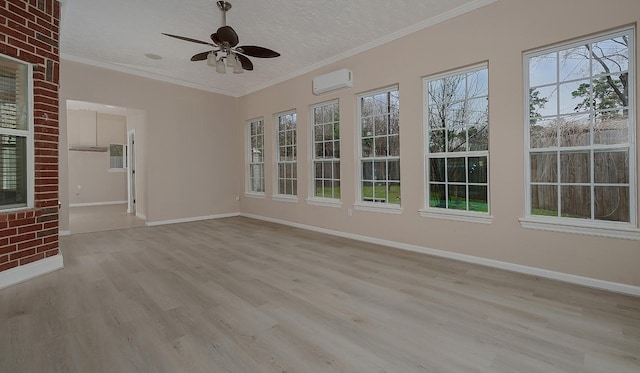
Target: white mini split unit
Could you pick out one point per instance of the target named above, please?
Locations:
(332, 81)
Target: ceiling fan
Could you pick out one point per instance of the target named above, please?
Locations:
(225, 48)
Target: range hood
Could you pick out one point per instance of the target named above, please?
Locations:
(88, 148)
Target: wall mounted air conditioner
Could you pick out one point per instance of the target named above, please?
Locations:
(332, 81)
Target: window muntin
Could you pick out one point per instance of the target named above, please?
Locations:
(255, 156)
(16, 134)
(457, 138)
(287, 152)
(379, 136)
(580, 130)
(326, 150)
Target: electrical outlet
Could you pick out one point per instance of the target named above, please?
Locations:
(237, 198)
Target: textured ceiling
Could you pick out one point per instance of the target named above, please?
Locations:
(117, 34)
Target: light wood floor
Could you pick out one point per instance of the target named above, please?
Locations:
(101, 218)
(239, 295)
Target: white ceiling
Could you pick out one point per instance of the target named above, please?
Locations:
(308, 34)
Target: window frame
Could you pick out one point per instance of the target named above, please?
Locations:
(590, 226)
(28, 134)
(125, 157)
(277, 196)
(313, 199)
(446, 213)
(360, 204)
(248, 141)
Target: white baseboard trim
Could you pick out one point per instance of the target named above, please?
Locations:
(141, 216)
(189, 220)
(28, 271)
(534, 271)
(106, 203)
(64, 233)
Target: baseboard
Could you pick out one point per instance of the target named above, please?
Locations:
(534, 271)
(28, 271)
(64, 233)
(189, 220)
(106, 203)
(141, 216)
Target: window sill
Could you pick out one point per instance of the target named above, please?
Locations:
(327, 202)
(591, 228)
(464, 216)
(117, 170)
(284, 198)
(378, 207)
(255, 195)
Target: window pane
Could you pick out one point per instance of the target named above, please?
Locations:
(380, 170)
(437, 169)
(543, 69)
(479, 138)
(544, 167)
(381, 125)
(612, 53)
(477, 169)
(457, 197)
(436, 141)
(456, 170)
(611, 127)
(478, 198)
(394, 170)
(574, 63)
(367, 170)
(574, 167)
(14, 95)
(457, 140)
(545, 103)
(544, 200)
(381, 146)
(575, 130)
(612, 203)
(543, 133)
(367, 147)
(572, 96)
(13, 171)
(576, 201)
(437, 196)
(611, 167)
(367, 191)
(394, 193)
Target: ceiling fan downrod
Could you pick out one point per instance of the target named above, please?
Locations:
(224, 7)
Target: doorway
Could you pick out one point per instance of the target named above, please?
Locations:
(103, 167)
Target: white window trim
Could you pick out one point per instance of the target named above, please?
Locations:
(386, 208)
(247, 189)
(360, 205)
(444, 213)
(456, 215)
(327, 202)
(277, 196)
(589, 227)
(284, 198)
(313, 200)
(29, 135)
(256, 195)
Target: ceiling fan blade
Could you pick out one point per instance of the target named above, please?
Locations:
(189, 39)
(246, 62)
(260, 52)
(215, 38)
(228, 34)
(200, 56)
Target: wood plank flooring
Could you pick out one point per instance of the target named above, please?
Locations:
(240, 295)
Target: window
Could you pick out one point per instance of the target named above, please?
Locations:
(378, 114)
(256, 156)
(457, 141)
(580, 131)
(117, 156)
(287, 180)
(326, 150)
(16, 135)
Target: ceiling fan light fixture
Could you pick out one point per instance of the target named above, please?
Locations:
(237, 67)
(211, 59)
(231, 60)
(220, 67)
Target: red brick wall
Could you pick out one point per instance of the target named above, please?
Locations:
(29, 31)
